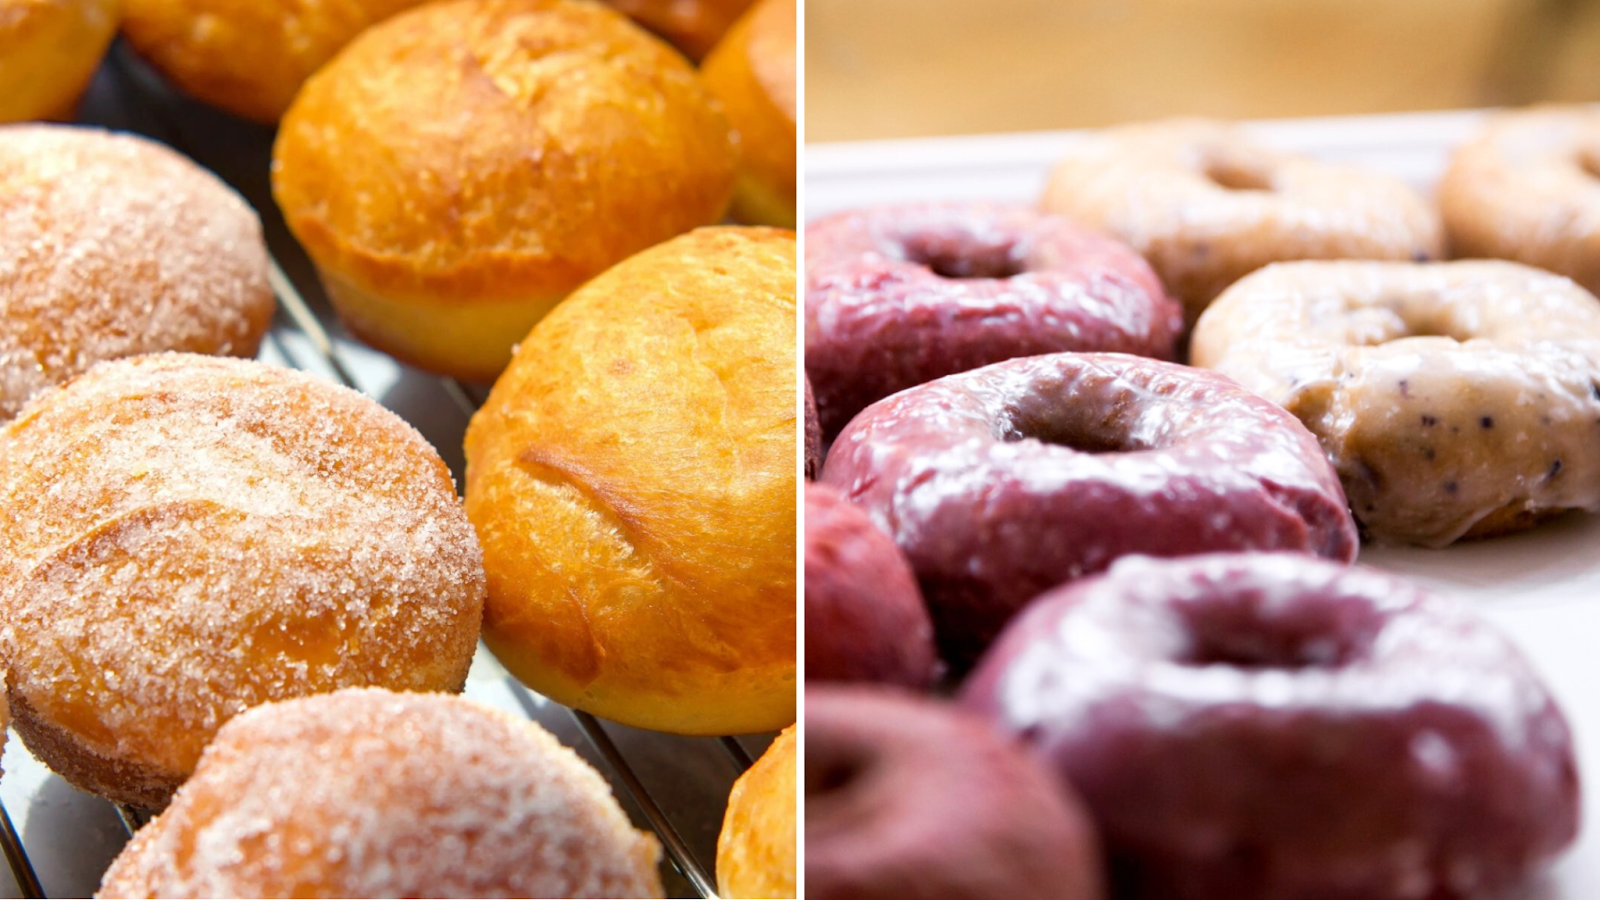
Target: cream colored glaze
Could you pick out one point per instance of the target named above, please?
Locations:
(1455, 399)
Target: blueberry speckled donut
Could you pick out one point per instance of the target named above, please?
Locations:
(1455, 399)
(1006, 481)
(898, 296)
(1207, 204)
(1273, 727)
(1528, 189)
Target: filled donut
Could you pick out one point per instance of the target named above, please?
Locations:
(1005, 481)
(48, 54)
(1257, 726)
(693, 26)
(1456, 400)
(757, 848)
(753, 73)
(1528, 189)
(1206, 203)
(898, 296)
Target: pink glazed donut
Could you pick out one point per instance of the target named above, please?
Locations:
(1005, 481)
(898, 296)
(1274, 727)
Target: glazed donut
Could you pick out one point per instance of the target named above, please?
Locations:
(813, 435)
(1256, 726)
(248, 57)
(865, 619)
(183, 537)
(1528, 189)
(1011, 479)
(693, 26)
(907, 797)
(753, 73)
(757, 846)
(49, 52)
(1207, 204)
(367, 793)
(1454, 399)
(897, 296)
(461, 167)
(116, 246)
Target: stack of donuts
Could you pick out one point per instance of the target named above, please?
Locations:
(1098, 470)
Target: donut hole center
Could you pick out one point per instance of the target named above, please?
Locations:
(964, 258)
(1251, 632)
(834, 776)
(1263, 651)
(1075, 426)
(1231, 175)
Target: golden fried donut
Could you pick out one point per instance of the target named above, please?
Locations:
(1207, 204)
(757, 846)
(248, 57)
(632, 478)
(753, 73)
(694, 26)
(367, 793)
(1456, 400)
(1528, 189)
(113, 246)
(49, 50)
(183, 537)
(461, 167)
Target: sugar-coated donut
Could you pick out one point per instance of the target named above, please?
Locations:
(461, 167)
(757, 847)
(865, 619)
(633, 480)
(248, 57)
(183, 537)
(753, 73)
(813, 427)
(1207, 204)
(1528, 189)
(49, 50)
(912, 798)
(114, 246)
(1455, 399)
(367, 793)
(897, 296)
(693, 26)
(1005, 481)
(1274, 727)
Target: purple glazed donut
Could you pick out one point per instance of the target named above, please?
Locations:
(1003, 482)
(813, 435)
(900, 295)
(865, 620)
(1273, 727)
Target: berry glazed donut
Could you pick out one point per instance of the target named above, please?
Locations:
(1456, 400)
(813, 435)
(1207, 204)
(1528, 189)
(900, 295)
(1273, 727)
(1006, 481)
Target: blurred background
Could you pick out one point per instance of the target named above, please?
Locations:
(905, 68)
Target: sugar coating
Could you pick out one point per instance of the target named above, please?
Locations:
(183, 537)
(112, 246)
(367, 793)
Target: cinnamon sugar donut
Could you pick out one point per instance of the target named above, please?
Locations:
(1207, 204)
(112, 245)
(1528, 189)
(183, 537)
(366, 793)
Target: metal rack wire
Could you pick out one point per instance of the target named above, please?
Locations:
(674, 786)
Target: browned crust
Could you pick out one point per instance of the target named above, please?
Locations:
(118, 780)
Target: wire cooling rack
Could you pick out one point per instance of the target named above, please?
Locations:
(58, 841)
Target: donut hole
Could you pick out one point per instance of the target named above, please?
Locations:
(833, 776)
(1231, 175)
(1074, 426)
(1251, 632)
(964, 257)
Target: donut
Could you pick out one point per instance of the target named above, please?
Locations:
(1528, 189)
(757, 846)
(900, 295)
(117, 246)
(865, 619)
(813, 451)
(48, 53)
(183, 537)
(248, 57)
(752, 72)
(1253, 726)
(632, 478)
(693, 26)
(461, 167)
(1456, 400)
(1206, 204)
(1005, 481)
(909, 797)
(368, 793)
